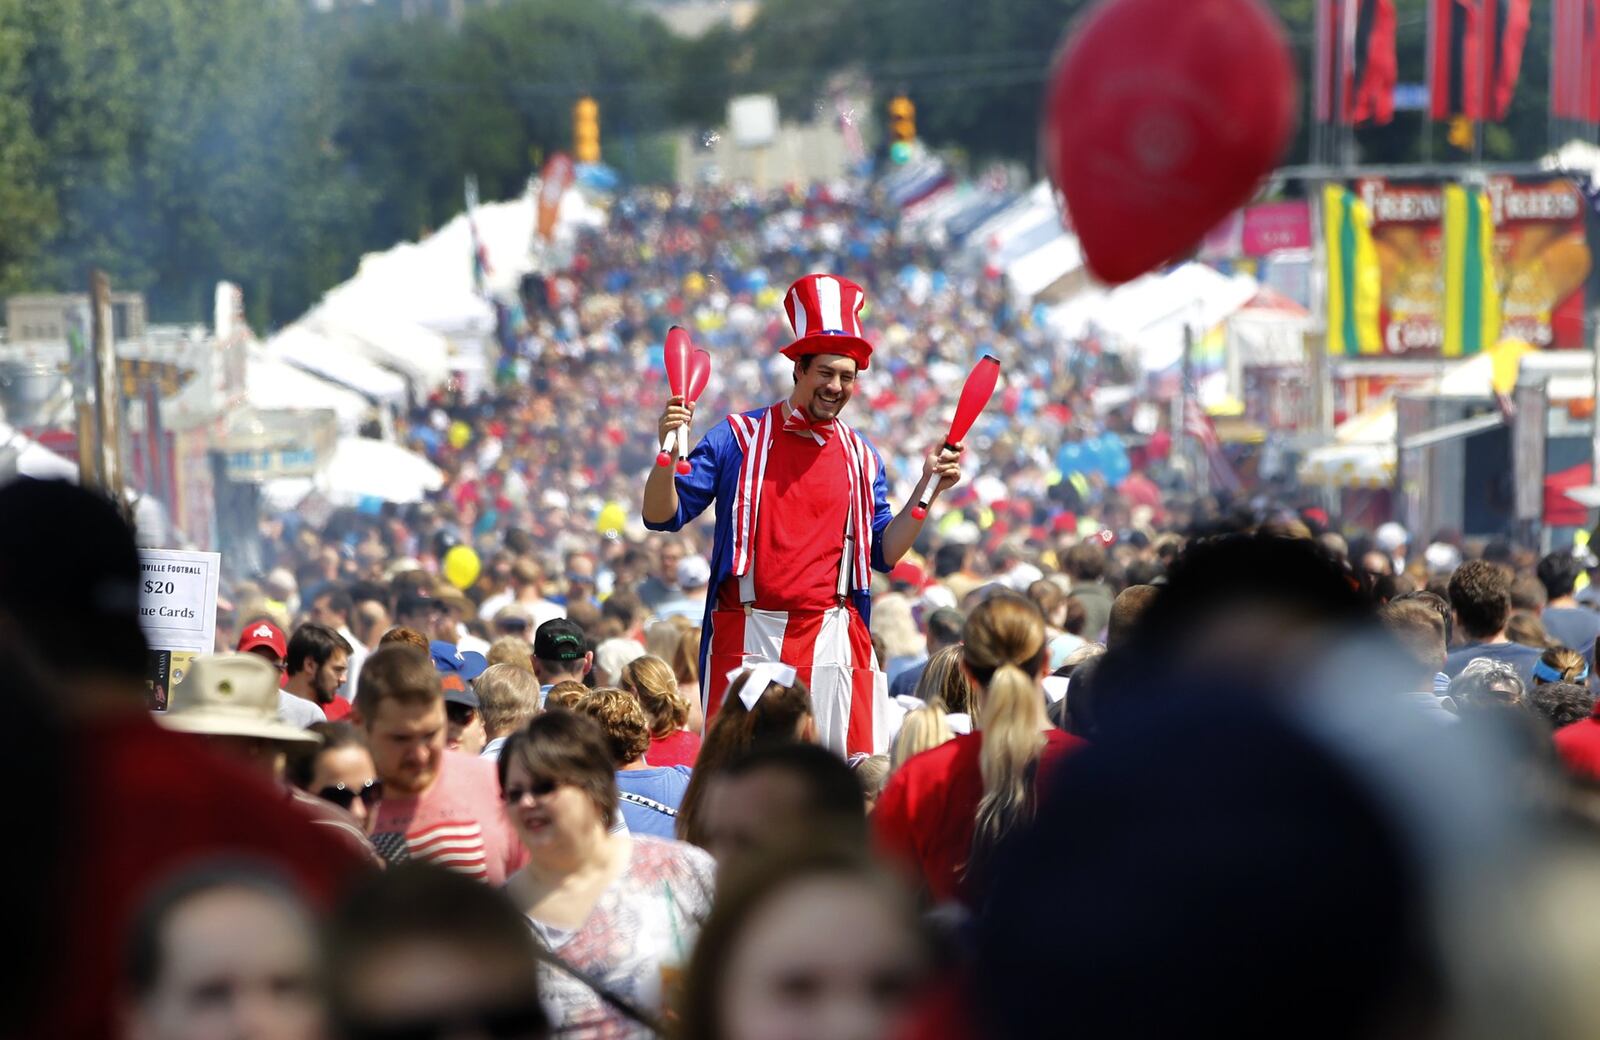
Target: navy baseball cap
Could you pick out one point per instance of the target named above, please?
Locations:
(467, 665)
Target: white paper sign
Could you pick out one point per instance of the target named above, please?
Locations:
(178, 598)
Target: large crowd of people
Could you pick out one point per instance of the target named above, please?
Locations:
(1156, 765)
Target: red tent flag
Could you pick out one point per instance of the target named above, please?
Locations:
(1355, 65)
(1457, 79)
(1575, 55)
(1510, 33)
(1477, 55)
(1376, 68)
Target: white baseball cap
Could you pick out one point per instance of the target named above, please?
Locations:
(693, 572)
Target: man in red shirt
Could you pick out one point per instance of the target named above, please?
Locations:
(802, 518)
(439, 806)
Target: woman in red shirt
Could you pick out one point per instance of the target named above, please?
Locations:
(651, 680)
(946, 809)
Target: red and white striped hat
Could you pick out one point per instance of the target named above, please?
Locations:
(825, 312)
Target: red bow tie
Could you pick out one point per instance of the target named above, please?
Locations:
(797, 421)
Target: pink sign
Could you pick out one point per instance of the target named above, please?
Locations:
(1272, 226)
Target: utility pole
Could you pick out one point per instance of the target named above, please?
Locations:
(107, 390)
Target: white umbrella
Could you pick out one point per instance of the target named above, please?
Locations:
(362, 468)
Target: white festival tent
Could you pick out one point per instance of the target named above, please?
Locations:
(362, 469)
(272, 383)
(394, 332)
(1148, 316)
(304, 348)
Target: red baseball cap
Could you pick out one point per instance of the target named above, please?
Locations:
(264, 633)
(907, 573)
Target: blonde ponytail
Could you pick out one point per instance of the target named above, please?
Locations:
(1004, 647)
(1013, 724)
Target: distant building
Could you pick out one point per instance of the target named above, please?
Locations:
(693, 18)
(688, 18)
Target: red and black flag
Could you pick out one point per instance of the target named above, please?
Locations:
(1374, 68)
(1575, 60)
(1356, 67)
(1477, 56)
(1458, 76)
(1511, 18)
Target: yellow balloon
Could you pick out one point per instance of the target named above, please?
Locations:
(461, 566)
(460, 434)
(613, 518)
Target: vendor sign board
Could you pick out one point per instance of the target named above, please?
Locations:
(178, 610)
(1541, 260)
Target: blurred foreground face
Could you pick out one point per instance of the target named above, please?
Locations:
(439, 990)
(744, 813)
(407, 744)
(824, 959)
(234, 966)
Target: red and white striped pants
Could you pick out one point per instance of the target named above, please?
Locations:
(831, 652)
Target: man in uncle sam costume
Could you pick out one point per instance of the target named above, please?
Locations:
(803, 517)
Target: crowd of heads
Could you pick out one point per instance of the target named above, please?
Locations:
(1183, 734)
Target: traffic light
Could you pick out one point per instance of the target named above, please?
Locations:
(586, 130)
(902, 119)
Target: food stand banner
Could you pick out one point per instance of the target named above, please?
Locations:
(1540, 257)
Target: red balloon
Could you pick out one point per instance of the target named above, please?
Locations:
(1162, 117)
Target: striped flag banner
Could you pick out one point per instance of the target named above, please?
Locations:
(1198, 425)
(1471, 316)
(1354, 278)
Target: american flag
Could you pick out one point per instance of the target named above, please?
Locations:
(1198, 426)
(454, 844)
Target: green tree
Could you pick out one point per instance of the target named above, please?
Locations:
(27, 207)
(186, 141)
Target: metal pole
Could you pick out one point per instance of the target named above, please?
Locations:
(1319, 377)
(107, 393)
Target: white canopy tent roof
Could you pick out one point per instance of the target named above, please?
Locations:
(301, 346)
(1037, 271)
(430, 283)
(274, 383)
(1150, 314)
(1026, 212)
(362, 469)
(420, 354)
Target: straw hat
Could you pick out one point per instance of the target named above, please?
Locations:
(231, 695)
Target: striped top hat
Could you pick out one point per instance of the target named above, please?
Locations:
(825, 312)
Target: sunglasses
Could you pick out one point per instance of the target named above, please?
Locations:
(370, 793)
(459, 714)
(523, 1021)
(540, 788)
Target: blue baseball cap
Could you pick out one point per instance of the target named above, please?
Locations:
(466, 665)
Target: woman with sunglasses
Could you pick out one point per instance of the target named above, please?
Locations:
(341, 771)
(622, 910)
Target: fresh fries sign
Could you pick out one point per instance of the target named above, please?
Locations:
(1541, 260)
